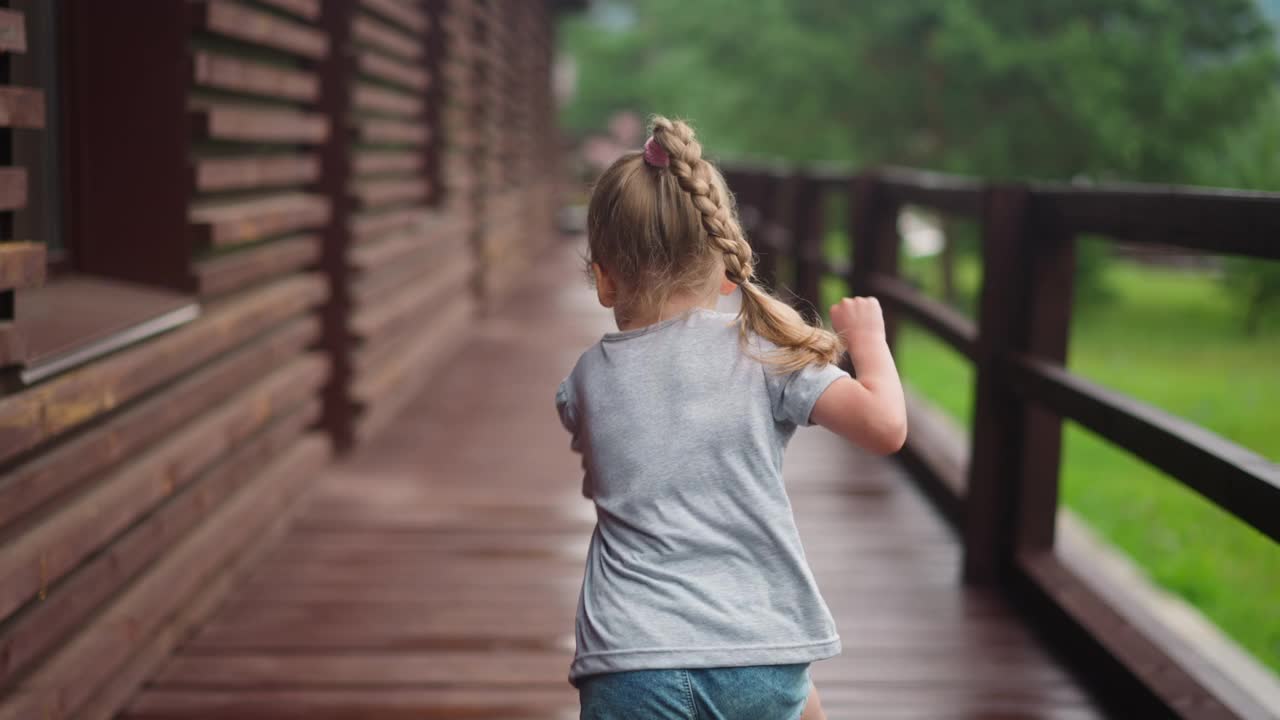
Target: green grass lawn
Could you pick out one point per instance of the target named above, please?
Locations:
(1174, 340)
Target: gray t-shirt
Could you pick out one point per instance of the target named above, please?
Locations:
(695, 560)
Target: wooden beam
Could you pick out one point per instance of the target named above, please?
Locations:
(71, 675)
(224, 274)
(1234, 478)
(214, 173)
(387, 100)
(233, 223)
(88, 523)
(407, 74)
(400, 13)
(13, 31)
(33, 416)
(13, 188)
(387, 38)
(21, 107)
(227, 72)
(242, 123)
(48, 623)
(76, 462)
(22, 264)
(239, 21)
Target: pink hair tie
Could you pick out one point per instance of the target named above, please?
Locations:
(655, 154)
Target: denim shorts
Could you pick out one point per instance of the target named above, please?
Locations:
(764, 692)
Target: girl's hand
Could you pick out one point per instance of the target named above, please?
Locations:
(858, 317)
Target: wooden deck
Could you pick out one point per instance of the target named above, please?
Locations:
(434, 574)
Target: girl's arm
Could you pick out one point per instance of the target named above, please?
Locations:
(871, 410)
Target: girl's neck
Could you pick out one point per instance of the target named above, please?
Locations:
(674, 306)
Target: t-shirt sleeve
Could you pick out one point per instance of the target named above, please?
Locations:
(565, 407)
(794, 394)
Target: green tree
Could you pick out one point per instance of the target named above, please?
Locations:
(1105, 89)
(1123, 88)
(1250, 159)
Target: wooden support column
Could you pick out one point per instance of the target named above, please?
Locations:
(434, 42)
(769, 237)
(335, 177)
(1025, 307)
(807, 223)
(873, 226)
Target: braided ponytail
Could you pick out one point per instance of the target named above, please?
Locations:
(798, 343)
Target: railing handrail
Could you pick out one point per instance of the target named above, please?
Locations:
(1007, 512)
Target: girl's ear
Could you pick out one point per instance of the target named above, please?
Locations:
(727, 286)
(606, 290)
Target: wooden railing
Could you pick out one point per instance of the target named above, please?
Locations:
(1001, 492)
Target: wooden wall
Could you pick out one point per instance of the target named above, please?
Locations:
(339, 184)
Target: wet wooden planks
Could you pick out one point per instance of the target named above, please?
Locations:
(435, 573)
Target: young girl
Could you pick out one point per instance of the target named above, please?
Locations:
(697, 601)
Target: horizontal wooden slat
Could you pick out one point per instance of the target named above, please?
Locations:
(409, 305)
(13, 344)
(408, 248)
(22, 264)
(1098, 620)
(436, 260)
(21, 107)
(446, 324)
(371, 226)
(399, 72)
(120, 689)
(944, 322)
(228, 273)
(35, 415)
(77, 461)
(953, 194)
(241, 123)
(307, 9)
(401, 13)
(380, 99)
(246, 76)
(236, 20)
(254, 171)
(13, 188)
(367, 162)
(387, 38)
(1238, 480)
(1216, 221)
(40, 557)
(70, 676)
(410, 362)
(372, 194)
(231, 223)
(50, 621)
(13, 31)
(393, 132)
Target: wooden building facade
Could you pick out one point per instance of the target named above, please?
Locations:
(237, 236)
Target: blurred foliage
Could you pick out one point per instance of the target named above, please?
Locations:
(1105, 88)
(1154, 90)
(1250, 158)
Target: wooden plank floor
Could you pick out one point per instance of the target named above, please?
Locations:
(435, 573)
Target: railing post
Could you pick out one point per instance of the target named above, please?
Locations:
(873, 229)
(806, 244)
(1012, 493)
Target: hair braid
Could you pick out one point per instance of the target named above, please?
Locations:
(798, 343)
(695, 177)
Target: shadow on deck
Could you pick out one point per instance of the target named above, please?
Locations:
(434, 574)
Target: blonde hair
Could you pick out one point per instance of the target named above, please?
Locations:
(663, 230)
